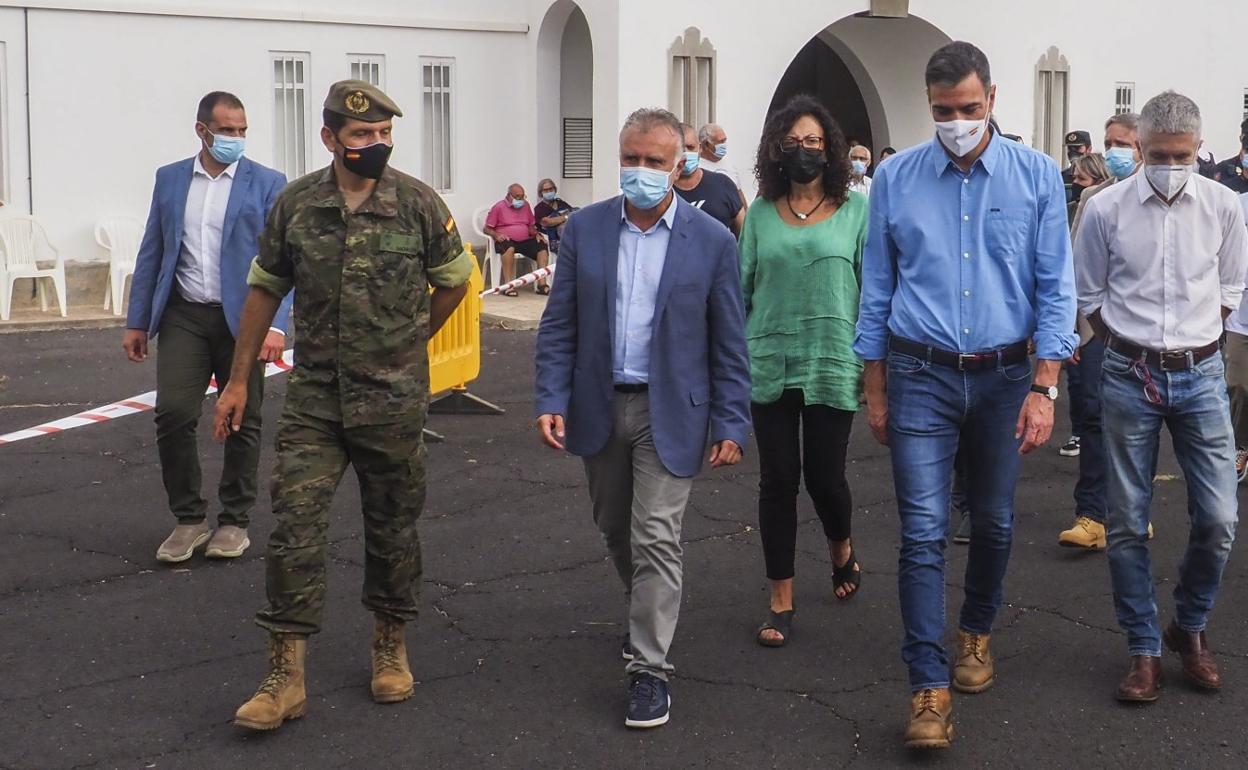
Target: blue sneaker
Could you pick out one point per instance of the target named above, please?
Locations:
(649, 702)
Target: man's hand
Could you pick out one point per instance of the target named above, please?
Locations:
(230, 406)
(134, 342)
(725, 452)
(874, 379)
(273, 347)
(1035, 422)
(550, 426)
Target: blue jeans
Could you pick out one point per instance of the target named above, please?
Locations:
(1090, 488)
(1195, 408)
(929, 408)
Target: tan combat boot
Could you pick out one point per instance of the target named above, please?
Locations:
(972, 671)
(392, 679)
(281, 695)
(931, 720)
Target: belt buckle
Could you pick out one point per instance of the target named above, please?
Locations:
(964, 357)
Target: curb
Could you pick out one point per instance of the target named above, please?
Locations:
(61, 324)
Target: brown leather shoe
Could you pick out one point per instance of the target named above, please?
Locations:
(931, 720)
(973, 670)
(1199, 667)
(1142, 684)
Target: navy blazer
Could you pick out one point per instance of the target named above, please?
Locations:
(699, 366)
(253, 191)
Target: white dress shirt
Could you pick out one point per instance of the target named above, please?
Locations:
(861, 185)
(723, 167)
(1238, 321)
(199, 263)
(1161, 274)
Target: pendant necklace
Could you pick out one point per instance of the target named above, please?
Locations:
(789, 202)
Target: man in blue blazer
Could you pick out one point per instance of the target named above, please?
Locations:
(641, 357)
(190, 280)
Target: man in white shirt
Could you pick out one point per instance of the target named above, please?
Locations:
(859, 162)
(1160, 262)
(713, 147)
(190, 281)
(1236, 354)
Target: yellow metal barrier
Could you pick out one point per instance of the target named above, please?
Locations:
(455, 351)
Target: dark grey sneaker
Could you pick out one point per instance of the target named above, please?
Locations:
(1070, 448)
(649, 702)
(962, 535)
(626, 650)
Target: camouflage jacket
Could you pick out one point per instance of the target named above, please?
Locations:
(362, 300)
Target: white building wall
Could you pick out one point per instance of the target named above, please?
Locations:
(14, 159)
(114, 97)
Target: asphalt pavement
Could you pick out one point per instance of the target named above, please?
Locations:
(109, 659)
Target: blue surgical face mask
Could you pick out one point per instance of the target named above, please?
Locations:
(549, 196)
(517, 203)
(1120, 161)
(859, 166)
(691, 163)
(645, 188)
(721, 149)
(227, 149)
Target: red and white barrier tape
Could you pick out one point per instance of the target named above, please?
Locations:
(145, 402)
(141, 403)
(523, 280)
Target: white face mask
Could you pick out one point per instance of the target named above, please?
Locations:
(1168, 180)
(961, 136)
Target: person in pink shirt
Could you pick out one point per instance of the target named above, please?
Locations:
(514, 230)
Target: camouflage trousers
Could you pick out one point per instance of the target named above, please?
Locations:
(312, 455)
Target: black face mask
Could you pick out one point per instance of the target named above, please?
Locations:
(368, 162)
(803, 165)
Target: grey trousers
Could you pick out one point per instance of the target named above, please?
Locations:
(1235, 352)
(638, 507)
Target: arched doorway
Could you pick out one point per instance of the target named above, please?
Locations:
(869, 73)
(565, 102)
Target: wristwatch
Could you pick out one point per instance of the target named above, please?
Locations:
(1050, 392)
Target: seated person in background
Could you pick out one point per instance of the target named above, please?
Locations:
(512, 226)
(714, 194)
(551, 213)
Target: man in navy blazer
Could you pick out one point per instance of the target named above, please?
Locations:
(641, 357)
(190, 280)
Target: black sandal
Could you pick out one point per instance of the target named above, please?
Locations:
(543, 290)
(510, 293)
(846, 576)
(782, 623)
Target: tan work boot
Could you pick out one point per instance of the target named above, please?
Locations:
(228, 542)
(972, 671)
(392, 679)
(931, 720)
(281, 695)
(1084, 533)
(182, 542)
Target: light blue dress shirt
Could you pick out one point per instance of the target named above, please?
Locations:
(641, 260)
(968, 262)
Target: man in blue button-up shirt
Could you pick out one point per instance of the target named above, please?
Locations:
(967, 260)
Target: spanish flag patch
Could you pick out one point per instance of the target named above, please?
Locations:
(450, 224)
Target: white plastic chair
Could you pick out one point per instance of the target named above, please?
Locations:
(25, 247)
(493, 265)
(120, 237)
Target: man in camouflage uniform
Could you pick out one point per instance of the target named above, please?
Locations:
(362, 243)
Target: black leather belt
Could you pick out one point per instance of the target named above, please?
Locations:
(631, 387)
(963, 362)
(1165, 360)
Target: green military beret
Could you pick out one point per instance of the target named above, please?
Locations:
(361, 100)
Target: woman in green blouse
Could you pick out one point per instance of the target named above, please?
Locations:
(801, 259)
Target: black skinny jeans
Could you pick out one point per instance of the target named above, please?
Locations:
(821, 450)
